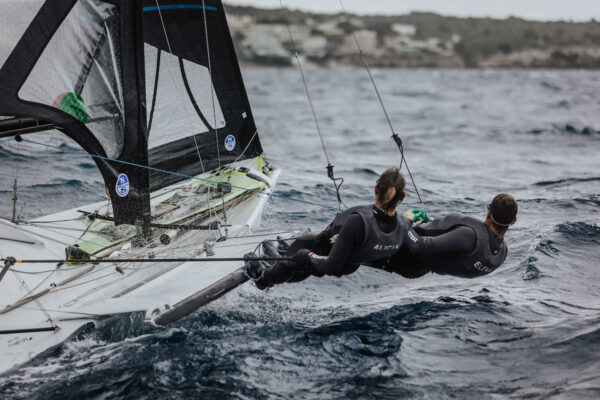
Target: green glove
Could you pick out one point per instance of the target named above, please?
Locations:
(417, 216)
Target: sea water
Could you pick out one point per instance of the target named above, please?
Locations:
(529, 330)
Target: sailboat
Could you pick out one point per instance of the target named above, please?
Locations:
(152, 92)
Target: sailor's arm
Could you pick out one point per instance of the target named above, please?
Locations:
(460, 240)
(350, 235)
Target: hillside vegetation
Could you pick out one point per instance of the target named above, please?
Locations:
(414, 40)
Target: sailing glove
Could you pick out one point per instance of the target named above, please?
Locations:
(301, 258)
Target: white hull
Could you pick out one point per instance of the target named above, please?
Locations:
(72, 296)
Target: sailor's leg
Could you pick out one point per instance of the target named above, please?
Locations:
(402, 263)
(286, 271)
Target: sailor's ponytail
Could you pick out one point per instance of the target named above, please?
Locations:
(390, 188)
(388, 198)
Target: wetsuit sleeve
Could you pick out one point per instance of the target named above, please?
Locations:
(460, 240)
(351, 234)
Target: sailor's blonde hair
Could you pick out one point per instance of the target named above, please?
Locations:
(390, 188)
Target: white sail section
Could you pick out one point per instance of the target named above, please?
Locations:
(79, 72)
(178, 111)
(200, 86)
(15, 17)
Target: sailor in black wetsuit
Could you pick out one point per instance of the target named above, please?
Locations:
(456, 244)
(356, 236)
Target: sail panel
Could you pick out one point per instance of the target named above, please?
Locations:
(203, 93)
(210, 137)
(88, 83)
(182, 88)
(15, 17)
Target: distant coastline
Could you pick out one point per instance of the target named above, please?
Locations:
(416, 40)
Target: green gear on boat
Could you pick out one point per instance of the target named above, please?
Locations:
(417, 216)
(73, 104)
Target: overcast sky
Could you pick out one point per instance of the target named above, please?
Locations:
(579, 10)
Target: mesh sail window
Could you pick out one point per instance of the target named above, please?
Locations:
(183, 97)
(79, 72)
(15, 17)
(198, 113)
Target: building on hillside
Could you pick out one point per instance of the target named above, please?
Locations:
(238, 22)
(404, 30)
(261, 42)
(315, 46)
(366, 38)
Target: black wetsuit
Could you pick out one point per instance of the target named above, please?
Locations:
(334, 251)
(454, 245)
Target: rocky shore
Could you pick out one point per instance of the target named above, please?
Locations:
(415, 40)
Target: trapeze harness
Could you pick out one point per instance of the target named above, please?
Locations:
(477, 250)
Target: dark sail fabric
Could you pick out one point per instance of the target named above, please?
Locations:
(194, 125)
(77, 66)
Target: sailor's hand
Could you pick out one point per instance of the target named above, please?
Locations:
(302, 257)
(417, 216)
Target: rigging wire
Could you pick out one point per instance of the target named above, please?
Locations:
(337, 182)
(246, 148)
(142, 260)
(29, 194)
(61, 231)
(212, 98)
(190, 177)
(16, 180)
(163, 26)
(212, 89)
(395, 136)
(156, 88)
(37, 301)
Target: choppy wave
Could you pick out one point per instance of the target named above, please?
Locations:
(568, 181)
(59, 183)
(580, 233)
(566, 128)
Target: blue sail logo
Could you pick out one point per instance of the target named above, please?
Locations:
(122, 186)
(230, 143)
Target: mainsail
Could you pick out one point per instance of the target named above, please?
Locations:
(134, 83)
